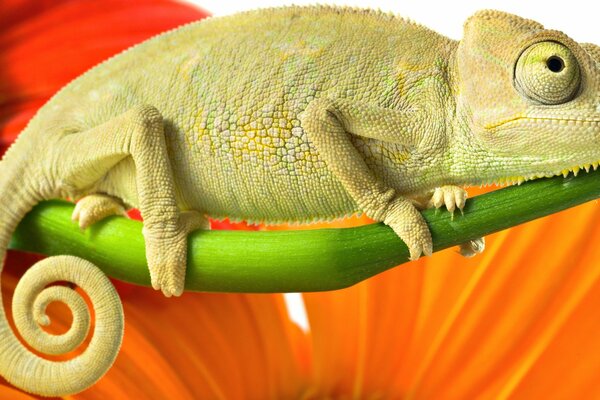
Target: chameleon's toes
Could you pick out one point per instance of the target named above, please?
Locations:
(167, 255)
(461, 198)
(452, 197)
(154, 281)
(96, 207)
(409, 225)
(177, 291)
(472, 247)
(174, 283)
(418, 249)
(167, 265)
(437, 198)
(449, 200)
(428, 246)
(169, 281)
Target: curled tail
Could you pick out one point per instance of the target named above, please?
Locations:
(20, 366)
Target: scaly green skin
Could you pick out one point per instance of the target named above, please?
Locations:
(291, 114)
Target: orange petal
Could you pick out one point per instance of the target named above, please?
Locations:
(198, 346)
(499, 325)
(8, 392)
(205, 346)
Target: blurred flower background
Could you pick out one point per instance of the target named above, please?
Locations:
(520, 321)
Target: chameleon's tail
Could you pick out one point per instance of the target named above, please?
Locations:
(20, 366)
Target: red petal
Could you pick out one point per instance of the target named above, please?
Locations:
(45, 44)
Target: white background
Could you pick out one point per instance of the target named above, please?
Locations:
(577, 18)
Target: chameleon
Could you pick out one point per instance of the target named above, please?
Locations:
(291, 114)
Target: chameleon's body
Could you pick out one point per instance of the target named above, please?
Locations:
(234, 131)
(297, 114)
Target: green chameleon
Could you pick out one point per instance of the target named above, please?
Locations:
(288, 114)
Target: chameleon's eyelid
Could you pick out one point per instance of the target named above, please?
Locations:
(584, 60)
(541, 63)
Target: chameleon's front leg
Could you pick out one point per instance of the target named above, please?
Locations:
(139, 134)
(328, 123)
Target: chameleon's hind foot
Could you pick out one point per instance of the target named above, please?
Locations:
(472, 247)
(95, 207)
(167, 253)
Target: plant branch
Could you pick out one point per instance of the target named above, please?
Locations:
(293, 261)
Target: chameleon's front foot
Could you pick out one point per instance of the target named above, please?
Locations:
(166, 252)
(409, 225)
(454, 197)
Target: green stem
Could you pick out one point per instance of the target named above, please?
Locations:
(293, 261)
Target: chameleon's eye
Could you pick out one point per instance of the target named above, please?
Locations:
(548, 73)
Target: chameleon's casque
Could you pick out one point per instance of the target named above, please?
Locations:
(289, 114)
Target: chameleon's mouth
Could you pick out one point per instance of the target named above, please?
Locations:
(565, 121)
(517, 180)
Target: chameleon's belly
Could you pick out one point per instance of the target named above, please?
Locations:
(262, 175)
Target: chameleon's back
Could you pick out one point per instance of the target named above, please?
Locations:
(231, 90)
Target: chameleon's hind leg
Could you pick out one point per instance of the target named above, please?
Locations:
(86, 157)
(95, 207)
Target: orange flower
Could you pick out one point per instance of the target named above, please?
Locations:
(520, 321)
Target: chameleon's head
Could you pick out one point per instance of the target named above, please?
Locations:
(528, 99)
